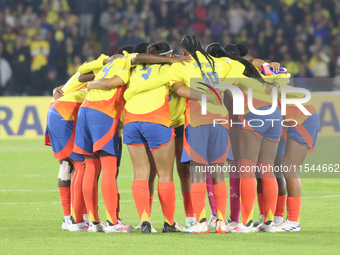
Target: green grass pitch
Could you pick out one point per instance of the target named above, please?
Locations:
(31, 214)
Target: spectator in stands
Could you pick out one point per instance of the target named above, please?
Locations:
(5, 70)
(318, 64)
(21, 61)
(40, 50)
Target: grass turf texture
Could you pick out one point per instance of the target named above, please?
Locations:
(31, 214)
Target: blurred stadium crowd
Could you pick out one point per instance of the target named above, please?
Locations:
(43, 42)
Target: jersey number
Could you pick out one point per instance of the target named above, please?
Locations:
(148, 72)
(210, 78)
(107, 68)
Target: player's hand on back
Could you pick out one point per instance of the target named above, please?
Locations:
(57, 93)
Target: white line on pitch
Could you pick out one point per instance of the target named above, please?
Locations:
(131, 201)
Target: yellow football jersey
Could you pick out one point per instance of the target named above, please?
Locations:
(108, 101)
(152, 105)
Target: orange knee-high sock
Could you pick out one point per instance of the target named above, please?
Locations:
(220, 195)
(74, 177)
(167, 198)
(247, 190)
(260, 202)
(141, 195)
(95, 191)
(78, 203)
(270, 190)
(90, 187)
(65, 199)
(150, 202)
(118, 205)
(293, 208)
(280, 206)
(198, 193)
(189, 210)
(109, 187)
(85, 211)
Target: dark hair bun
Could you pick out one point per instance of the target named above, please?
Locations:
(232, 49)
(243, 49)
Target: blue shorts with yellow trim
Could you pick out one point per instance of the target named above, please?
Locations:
(153, 134)
(205, 144)
(96, 131)
(61, 136)
(261, 125)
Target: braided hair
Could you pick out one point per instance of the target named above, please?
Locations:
(217, 50)
(192, 44)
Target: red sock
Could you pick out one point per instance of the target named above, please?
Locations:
(65, 199)
(189, 210)
(78, 198)
(247, 189)
(118, 205)
(167, 198)
(85, 211)
(260, 202)
(270, 191)
(280, 206)
(198, 193)
(150, 202)
(109, 187)
(220, 194)
(141, 195)
(90, 191)
(293, 208)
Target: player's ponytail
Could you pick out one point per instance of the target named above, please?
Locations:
(217, 50)
(192, 45)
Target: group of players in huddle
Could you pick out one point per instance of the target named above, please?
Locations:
(152, 99)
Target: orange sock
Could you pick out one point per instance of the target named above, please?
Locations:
(95, 191)
(293, 208)
(141, 195)
(198, 193)
(90, 191)
(150, 202)
(85, 211)
(280, 206)
(109, 187)
(260, 202)
(189, 210)
(167, 198)
(65, 199)
(74, 177)
(220, 195)
(78, 203)
(270, 191)
(247, 190)
(118, 205)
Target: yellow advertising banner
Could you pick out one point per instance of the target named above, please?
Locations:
(25, 117)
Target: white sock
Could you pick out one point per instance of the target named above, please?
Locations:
(190, 219)
(67, 218)
(85, 216)
(278, 219)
